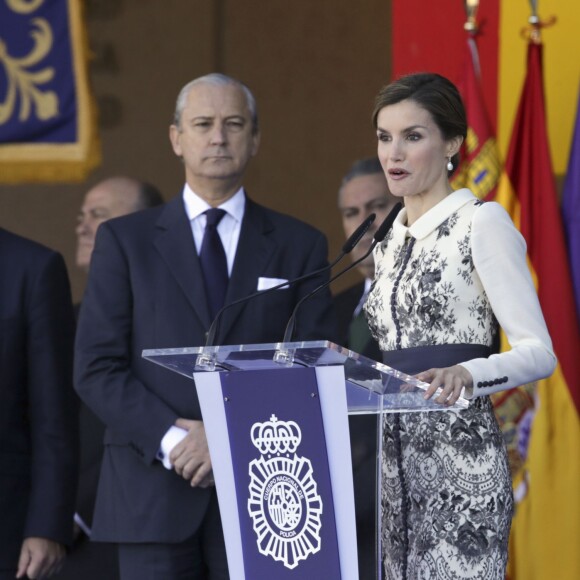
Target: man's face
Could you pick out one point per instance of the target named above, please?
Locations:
(215, 138)
(357, 199)
(100, 204)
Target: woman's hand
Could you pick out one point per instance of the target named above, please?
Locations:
(451, 380)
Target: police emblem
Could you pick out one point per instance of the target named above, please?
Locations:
(284, 503)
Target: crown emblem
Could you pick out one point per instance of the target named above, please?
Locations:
(283, 501)
(275, 437)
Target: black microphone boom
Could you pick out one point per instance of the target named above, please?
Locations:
(379, 236)
(348, 247)
(358, 234)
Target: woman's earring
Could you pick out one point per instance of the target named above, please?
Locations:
(449, 165)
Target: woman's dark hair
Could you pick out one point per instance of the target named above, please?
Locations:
(434, 93)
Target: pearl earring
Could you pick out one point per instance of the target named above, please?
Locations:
(449, 165)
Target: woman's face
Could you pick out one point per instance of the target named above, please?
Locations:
(412, 150)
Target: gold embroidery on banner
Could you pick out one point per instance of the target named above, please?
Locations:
(472, 141)
(25, 82)
(24, 6)
(480, 174)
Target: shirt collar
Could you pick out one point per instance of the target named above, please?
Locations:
(433, 218)
(196, 206)
(368, 282)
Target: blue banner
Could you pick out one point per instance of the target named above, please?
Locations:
(47, 129)
(283, 484)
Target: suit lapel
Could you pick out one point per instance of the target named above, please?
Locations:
(254, 251)
(174, 241)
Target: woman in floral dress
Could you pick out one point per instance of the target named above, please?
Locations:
(449, 271)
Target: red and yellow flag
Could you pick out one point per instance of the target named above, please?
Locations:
(480, 166)
(546, 527)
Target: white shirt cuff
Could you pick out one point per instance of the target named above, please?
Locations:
(173, 436)
(82, 525)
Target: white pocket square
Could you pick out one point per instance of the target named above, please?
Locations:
(267, 283)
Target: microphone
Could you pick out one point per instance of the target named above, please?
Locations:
(357, 236)
(379, 236)
(347, 248)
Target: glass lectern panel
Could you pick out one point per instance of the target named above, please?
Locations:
(372, 387)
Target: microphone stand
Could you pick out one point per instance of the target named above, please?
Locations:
(284, 355)
(207, 359)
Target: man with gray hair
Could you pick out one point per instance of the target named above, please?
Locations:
(157, 280)
(110, 198)
(363, 191)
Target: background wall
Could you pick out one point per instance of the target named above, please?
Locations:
(314, 67)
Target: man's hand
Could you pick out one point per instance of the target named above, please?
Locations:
(40, 558)
(190, 458)
(452, 381)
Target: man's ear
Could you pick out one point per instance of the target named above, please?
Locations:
(175, 138)
(256, 143)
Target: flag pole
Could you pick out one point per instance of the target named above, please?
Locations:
(533, 32)
(471, 7)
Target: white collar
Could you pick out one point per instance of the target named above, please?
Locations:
(433, 218)
(196, 206)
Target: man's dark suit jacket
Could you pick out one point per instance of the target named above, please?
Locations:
(38, 407)
(362, 440)
(345, 304)
(89, 560)
(145, 291)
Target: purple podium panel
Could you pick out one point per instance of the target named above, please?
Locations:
(281, 473)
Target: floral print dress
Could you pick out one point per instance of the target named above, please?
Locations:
(447, 498)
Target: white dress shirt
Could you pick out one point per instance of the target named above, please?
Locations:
(228, 229)
(229, 226)
(363, 298)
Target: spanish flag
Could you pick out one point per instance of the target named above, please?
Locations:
(480, 166)
(546, 527)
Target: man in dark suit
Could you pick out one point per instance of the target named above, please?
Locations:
(38, 409)
(363, 191)
(109, 198)
(112, 197)
(155, 281)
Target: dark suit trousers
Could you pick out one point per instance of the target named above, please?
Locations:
(200, 557)
(90, 561)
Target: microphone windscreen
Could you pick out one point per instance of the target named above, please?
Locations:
(356, 236)
(387, 223)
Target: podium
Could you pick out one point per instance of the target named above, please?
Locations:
(276, 421)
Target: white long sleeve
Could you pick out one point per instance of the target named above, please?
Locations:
(499, 256)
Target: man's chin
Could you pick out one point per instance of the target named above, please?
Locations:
(222, 173)
(367, 266)
(83, 259)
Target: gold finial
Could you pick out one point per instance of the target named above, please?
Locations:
(533, 32)
(471, 7)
